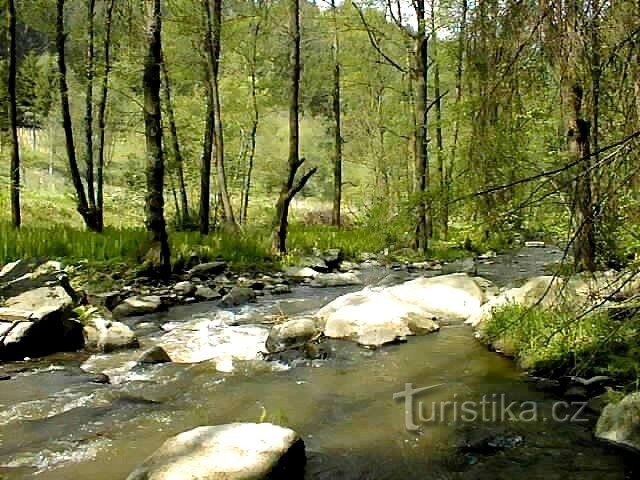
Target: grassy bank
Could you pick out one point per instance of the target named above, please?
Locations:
(558, 342)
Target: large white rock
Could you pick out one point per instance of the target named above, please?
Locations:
(106, 336)
(141, 305)
(619, 423)
(204, 339)
(326, 280)
(375, 316)
(238, 451)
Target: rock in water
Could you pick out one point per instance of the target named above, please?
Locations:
(238, 451)
(134, 306)
(619, 423)
(38, 323)
(22, 276)
(210, 269)
(373, 317)
(106, 336)
(293, 333)
(154, 356)
(238, 296)
(326, 280)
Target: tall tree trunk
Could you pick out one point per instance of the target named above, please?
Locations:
(255, 31)
(214, 25)
(456, 122)
(185, 216)
(159, 254)
(438, 104)
(88, 115)
(13, 117)
(102, 113)
(289, 187)
(423, 223)
(83, 207)
(337, 111)
(209, 130)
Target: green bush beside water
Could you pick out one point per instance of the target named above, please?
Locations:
(556, 341)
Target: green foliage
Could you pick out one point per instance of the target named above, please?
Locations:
(557, 340)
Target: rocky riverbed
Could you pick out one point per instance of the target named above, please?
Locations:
(163, 359)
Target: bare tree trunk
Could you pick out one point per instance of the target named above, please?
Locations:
(578, 138)
(438, 104)
(159, 255)
(290, 188)
(207, 147)
(337, 160)
(185, 216)
(88, 116)
(423, 223)
(102, 112)
(255, 31)
(13, 117)
(83, 208)
(456, 125)
(214, 25)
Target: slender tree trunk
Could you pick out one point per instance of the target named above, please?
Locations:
(337, 111)
(290, 188)
(185, 215)
(438, 104)
(255, 123)
(214, 25)
(207, 146)
(13, 117)
(423, 223)
(88, 116)
(578, 138)
(159, 254)
(456, 123)
(81, 197)
(102, 113)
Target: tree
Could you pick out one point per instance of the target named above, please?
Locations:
(159, 255)
(88, 214)
(290, 187)
(337, 110)
(13, 116)
(102, 111)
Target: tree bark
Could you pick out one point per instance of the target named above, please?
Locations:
(159, 255)
(337, 112)
(185, 215)
(290, 188)
(214, 26)
(207, 145)
(438, 105)
(423, 221)
(13, 117)
(81, 198)
(88, 115)
(255, 31)
(456, 123)
(102, 113)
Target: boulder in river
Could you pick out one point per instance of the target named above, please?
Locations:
(375, 316)
(106, 336)
(206, 293)
(38, 323)
(238, 296)
(301, 273)
(619, 423)
(326, 280)
(293, 333)
(238, 451)
(139, 305)
(154, 356)
(210, 269)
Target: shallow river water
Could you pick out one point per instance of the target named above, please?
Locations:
(55, 425)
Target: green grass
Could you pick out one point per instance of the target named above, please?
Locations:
(556, 341)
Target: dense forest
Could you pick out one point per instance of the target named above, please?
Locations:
(432, 122)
